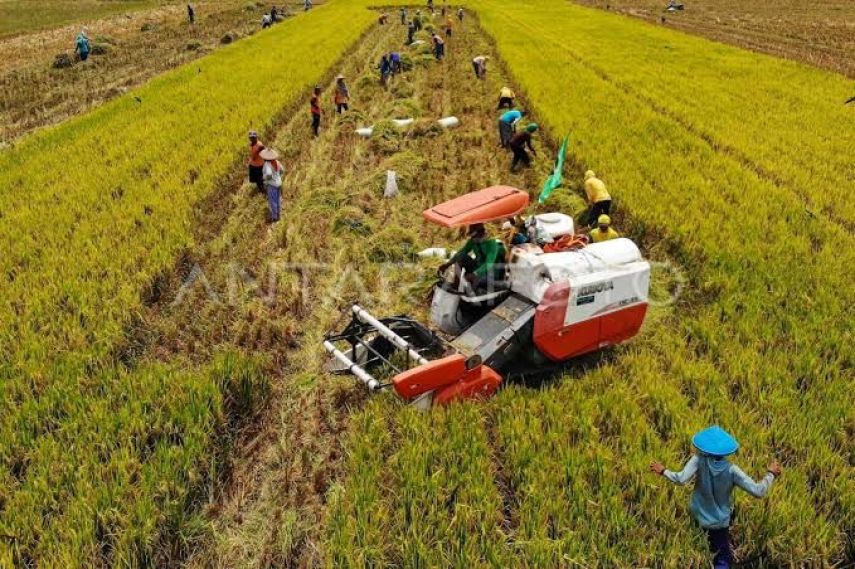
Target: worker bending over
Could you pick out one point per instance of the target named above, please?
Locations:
(506, 98)
(603, 231)
(255, 162)
(438, 47)
(715, 478)
(507, 126)
(518, 144)
(81, 45)
(479, 64)
(481, 258)
(599, 200)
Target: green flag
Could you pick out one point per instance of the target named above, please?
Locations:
(554, 180)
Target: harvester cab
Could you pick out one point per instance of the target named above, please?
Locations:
(549, 308)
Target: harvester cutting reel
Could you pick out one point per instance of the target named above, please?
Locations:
(369, 347)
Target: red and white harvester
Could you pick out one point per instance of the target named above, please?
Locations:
(551, 308)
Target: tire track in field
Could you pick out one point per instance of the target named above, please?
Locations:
(718, 146)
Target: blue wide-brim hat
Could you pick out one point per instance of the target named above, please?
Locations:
(715, 441)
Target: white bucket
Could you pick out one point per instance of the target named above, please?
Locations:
(365, 132)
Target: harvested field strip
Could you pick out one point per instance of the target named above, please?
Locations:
(33, 94)
(82, 241)
(783, 119)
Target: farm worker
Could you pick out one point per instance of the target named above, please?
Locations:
(603, 231)
(255, 162)
(418, 20)
(383, 18)
(385, 68)
(438, 47)
(315, 108)
(598, 197)
(274, 14)
(449, 24)
(82, 45)
(411, 31)
(341, 95)
(430, 5)
(507, 125)
(395, 61)
(307, 5)
(460, 15)
(519, 142)
(272, 172)
(715, 479)
(191, 15)
(403, 16)
(266, 21)
(479, 64)
(481, 258)
(506, 98)
(515, 231)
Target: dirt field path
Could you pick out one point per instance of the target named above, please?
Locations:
(820, 33)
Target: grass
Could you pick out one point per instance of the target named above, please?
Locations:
(22, 16)
(758, 343)
(133, 204)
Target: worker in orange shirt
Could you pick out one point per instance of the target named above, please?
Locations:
(255, 162)
(598, 197)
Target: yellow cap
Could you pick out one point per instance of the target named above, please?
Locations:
(604, 220)
(589, 174)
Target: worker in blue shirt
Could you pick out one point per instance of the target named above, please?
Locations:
(507, 125)
(715, 478)
(82, 45)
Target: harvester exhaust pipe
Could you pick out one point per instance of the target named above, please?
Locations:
(363, 375)
(363, 316)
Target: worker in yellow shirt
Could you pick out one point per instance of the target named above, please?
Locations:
(506, 98)
(603, 231)
(598, 197)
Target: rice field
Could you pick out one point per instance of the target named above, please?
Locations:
(139, 431)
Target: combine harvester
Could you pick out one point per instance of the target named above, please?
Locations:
(551, 308)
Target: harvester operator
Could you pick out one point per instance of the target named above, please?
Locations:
(481, 258)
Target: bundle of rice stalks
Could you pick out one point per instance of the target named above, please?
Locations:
(402, 89)
(403, 109)
(425, 127)
(386, 138)
(351, 219)
(393, 244)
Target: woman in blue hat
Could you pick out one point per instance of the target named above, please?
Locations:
(715, 478)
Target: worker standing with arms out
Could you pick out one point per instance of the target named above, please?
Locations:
(255, 162)
(507, 125)
(715, 477)
(603, 231)
(341, 97)
(438, 47)
(519, 142)
(191, 15)
(315, 108)
(506, 98)
(81, 45)
(598, 197)
(479, 64)
(486, 267)
(272, 174)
